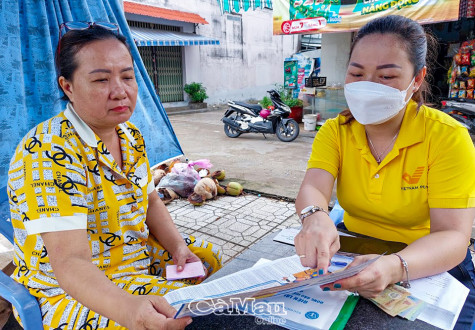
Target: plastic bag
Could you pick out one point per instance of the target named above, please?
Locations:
(201, 163)
(184, 169)
(183, 183)
(337, 213)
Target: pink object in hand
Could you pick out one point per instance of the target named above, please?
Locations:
(192, 269)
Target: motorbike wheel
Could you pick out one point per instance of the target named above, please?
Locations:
(288, 132)
(230, 131)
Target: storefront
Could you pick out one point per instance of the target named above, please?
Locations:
(450, 21)
(162, 36)
(454, 71)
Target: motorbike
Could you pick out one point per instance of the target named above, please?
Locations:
(252, 118)
(463, 110)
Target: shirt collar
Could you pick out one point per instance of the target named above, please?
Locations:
(85, 132)
(411, 132)
(413, 126)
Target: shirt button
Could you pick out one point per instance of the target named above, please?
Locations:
(134, 208)
(143, 243)
(142, 229)
(128, 185)
(376, 176)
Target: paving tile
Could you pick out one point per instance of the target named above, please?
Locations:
(292, 221)
(192, 217)
(176, 204)
(229, 250)
(269, 209)
(212, 239)
(233, 229)
(259, 233)
(233, 223)
(231, 203)
(184, 230)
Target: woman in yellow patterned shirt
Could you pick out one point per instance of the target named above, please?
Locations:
(92, 237)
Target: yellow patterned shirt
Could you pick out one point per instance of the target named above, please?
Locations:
(62, 177)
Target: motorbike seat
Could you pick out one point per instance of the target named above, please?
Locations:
(256, 108)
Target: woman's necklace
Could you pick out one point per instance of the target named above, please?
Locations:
(379, 156)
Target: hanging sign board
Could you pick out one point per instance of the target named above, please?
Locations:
(315, 81)
(290, 73)
(320, 16)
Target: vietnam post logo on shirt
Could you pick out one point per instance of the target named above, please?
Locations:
(415, 177)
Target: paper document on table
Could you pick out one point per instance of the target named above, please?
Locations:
(445, 297)
(287, 235)
(264, 276)
(263, 281)
(311, 308)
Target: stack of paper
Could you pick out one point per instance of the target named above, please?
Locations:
(312, 308)
(445, 297)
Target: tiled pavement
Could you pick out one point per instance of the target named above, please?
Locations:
(233, 223)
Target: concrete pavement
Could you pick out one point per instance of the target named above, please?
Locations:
(266, 165)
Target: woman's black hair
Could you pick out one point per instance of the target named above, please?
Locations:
(412, 36)
(72, 42)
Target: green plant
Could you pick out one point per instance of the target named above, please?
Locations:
(266, 102)
(287, 98)
(291, 102)
(196, 91)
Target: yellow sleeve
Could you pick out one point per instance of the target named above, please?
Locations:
(47, 185)
(326, 148)
(451, 175)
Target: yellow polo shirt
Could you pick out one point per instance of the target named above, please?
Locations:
(432, 165)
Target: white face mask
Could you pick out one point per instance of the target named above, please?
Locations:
(372, 103)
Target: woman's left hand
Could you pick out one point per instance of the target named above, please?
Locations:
(373, 279)
(183, 255)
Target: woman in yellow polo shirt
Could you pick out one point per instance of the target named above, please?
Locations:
(92, 237)
(405, 172)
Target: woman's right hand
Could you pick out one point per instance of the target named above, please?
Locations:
(317, 242)
(153, 312)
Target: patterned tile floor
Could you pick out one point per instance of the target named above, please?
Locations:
(233, 223)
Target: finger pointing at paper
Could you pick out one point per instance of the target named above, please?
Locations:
(318, 241)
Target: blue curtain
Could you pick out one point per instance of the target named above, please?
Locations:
(29, 32)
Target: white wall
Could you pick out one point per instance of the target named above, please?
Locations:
(335, 54)
(249, 59)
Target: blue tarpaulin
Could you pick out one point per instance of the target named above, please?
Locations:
(28, 90)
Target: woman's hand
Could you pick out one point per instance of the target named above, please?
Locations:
(317, 242)
(373, 279)
(183, 255)
(153, 312)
